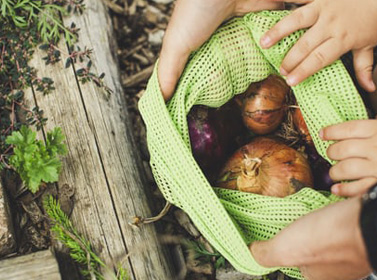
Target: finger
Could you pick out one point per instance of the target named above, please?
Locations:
(352, 169)
(313, 38)
(363, 64)
(354, 188)
(170, 68)
(322, 56)
(294, 1)
(352, 148)
(352, 129)
(303, 17)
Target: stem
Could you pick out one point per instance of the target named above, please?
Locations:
(51, 18)
(137, 221)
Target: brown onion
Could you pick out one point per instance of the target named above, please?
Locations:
(301, 126)
(268, 167)
(263, 107)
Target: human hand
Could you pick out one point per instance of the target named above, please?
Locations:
(191, 24)
(325, 244)
(356, 151)
(335, 27)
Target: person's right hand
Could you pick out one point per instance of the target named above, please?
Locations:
(191, 24)
(335, 27)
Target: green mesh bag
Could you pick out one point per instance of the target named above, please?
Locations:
(223, 67)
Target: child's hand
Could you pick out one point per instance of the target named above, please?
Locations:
(335, 27)
(356, 151)
(192, 23)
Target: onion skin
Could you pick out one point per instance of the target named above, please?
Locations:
(206, 146)
(320, 168)
(268, 167)
(263, 105)
(300, 124)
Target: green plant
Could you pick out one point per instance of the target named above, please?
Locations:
(25, 24)
(35, 161)
(80, 249)
(46, 16)
(198, 251)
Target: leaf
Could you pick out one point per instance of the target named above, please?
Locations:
(68, 62)
(33, 160)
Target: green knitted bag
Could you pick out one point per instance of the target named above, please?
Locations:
(223, 67)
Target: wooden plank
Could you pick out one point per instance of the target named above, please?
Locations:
(102, 164)
(35, 266)
(7, 241)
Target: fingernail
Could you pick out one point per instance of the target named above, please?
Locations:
(321, 134)
(291, 81)
(265, 41)
(335, 189)
(283, 71)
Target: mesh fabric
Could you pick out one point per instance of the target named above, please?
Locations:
(222, 68)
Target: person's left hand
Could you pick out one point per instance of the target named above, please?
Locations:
(356, 151)
(325, 244)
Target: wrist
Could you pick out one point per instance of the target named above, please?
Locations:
(368, 225)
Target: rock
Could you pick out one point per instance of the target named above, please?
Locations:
(153, 14)
(155, 38)
(7, 241)
(229, 273)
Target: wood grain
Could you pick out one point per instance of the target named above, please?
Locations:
(35, 266)
(102, 164)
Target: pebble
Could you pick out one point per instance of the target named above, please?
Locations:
(163, 1)
(155, 38)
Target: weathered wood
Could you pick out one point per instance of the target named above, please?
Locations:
(102, 164)
(35, 266)
(7, 241)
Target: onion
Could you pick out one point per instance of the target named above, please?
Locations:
(301, 126)
(320, 168)
(268, 167)
(263, 107)
(214, 135)
(321, 174)
(206, 146)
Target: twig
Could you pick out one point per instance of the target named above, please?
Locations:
(116, 8)
(138, 78)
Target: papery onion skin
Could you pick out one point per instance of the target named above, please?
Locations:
(300, 124)
(263, 105)
(266, 166)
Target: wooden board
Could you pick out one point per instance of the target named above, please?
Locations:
(35, 266)
(102, 165)
(7, 240)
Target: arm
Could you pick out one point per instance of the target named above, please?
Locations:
(335, 27)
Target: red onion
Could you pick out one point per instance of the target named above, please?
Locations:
(206, 146)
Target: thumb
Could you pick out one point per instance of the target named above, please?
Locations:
(363, 64)
(265, 253)
(170, 68)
